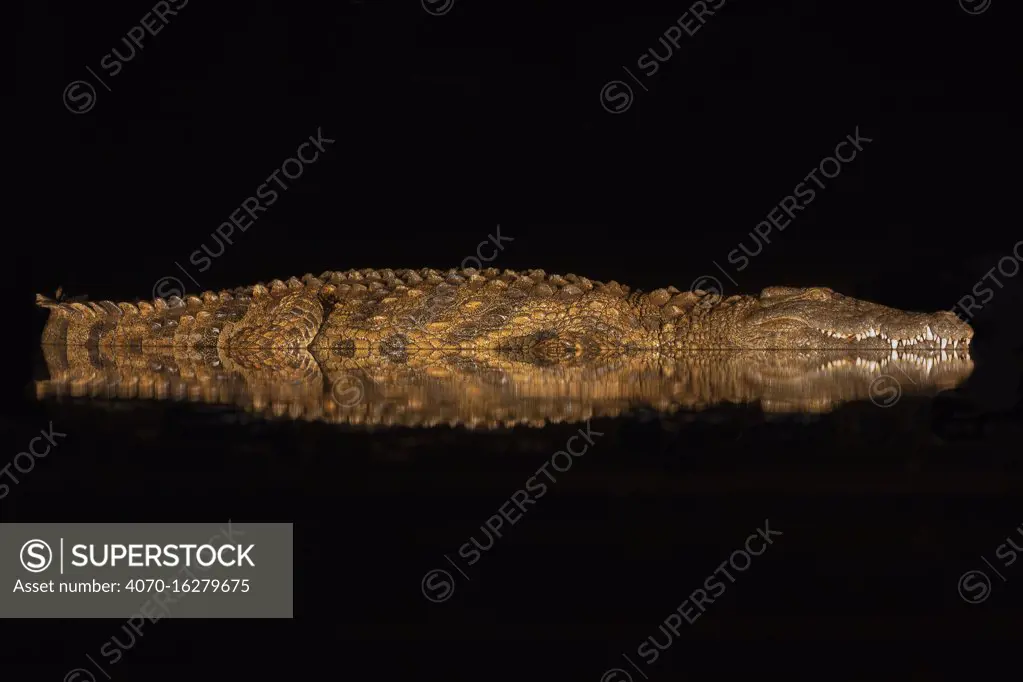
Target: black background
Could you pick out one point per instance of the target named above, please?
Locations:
(446, 127)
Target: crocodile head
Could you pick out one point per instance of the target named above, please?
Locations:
(817, 317)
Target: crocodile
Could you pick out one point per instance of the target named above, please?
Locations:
(390, 312)
(484, 390)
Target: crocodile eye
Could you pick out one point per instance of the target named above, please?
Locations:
(771, 292)
(820, 294)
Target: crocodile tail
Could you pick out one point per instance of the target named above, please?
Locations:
(56, 327)
(46, 301)
(76, 322)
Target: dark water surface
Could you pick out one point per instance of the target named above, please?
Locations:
(882, 500)
(888, 480)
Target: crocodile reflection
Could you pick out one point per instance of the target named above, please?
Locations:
(493, 390)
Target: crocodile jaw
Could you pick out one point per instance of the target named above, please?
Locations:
(821, 318)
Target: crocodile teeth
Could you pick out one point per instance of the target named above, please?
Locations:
(895, 344)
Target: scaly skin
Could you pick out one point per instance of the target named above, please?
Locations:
(487, 389)
(391, 312)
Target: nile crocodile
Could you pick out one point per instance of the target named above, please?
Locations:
(549, 316)
(487, 390)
